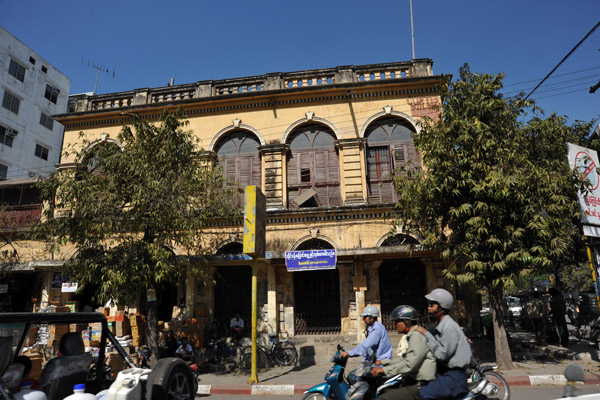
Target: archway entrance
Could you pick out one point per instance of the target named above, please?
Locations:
(402, 281)
(233, 289)
(233, 293)
(317, 297)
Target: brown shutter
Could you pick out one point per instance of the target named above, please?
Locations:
(229, 172)
(293, 177)
(243, 165)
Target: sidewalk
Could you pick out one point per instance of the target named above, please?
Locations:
(533, 366)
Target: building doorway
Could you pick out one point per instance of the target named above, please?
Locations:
(317, 302)
(317, 297)
(17, 290)
(402, 281)
(233, 292)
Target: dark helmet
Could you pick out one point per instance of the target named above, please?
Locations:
(404, 312)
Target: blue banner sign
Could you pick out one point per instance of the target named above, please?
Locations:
(310, 260)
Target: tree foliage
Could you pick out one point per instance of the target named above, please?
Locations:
(495, 194)
(128, 207)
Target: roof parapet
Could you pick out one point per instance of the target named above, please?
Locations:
(279, 81)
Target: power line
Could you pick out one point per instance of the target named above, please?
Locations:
(553, 77)
(560, 94)
(564, 59)
(588, 79)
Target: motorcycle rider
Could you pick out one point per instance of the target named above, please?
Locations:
(417, 363)
(449, 346)
(377, 337)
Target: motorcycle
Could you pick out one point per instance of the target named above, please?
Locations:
(335, 384)
(364, 386)
(484, 382)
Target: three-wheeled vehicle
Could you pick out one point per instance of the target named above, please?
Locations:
(169, 378)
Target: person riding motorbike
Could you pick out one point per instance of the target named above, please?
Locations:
(449, 346)
(417, 363)
(377, 337)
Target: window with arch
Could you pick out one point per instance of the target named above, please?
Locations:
(390, 144)
(238, 156)
(104, 150)
(313, 171)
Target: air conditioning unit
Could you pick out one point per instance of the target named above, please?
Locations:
(11, 132)
(32, 174)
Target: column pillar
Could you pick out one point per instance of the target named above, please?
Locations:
(352, 170)
(45, 297)
(272, 299)
(274, 177)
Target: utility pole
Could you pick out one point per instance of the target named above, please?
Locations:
(254, 245)
(412, 31)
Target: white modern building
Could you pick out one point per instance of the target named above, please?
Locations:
(31, 91)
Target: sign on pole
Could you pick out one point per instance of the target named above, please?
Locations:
(585, 162)
(255, 214)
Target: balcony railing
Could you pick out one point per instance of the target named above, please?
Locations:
(280, 81)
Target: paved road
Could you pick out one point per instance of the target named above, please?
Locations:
(517, 393)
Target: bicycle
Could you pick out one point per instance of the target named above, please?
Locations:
(282, 353)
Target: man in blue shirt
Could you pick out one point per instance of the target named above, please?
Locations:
(377, 337)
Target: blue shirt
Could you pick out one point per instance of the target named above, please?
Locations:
(378, 340)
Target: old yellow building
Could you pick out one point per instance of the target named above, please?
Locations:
(322, 145)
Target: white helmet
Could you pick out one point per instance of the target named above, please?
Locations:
(441, 296)
(370, 311)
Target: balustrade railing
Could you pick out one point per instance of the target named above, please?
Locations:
(263, 83)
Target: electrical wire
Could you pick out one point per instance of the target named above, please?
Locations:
(595, 77)
(564, 59)
(553, 77)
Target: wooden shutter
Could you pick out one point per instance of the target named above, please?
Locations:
(293, 177)
(321, 173)
(229, 170)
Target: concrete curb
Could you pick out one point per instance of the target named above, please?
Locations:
(289, 390)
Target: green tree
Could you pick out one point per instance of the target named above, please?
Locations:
(127, 207)
(495, 194)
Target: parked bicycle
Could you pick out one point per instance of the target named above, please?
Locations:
(278, 352)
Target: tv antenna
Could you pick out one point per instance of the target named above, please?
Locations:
(98, 68)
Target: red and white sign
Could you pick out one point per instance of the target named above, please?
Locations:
(585, 162)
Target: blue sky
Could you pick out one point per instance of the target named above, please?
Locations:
(149, 42)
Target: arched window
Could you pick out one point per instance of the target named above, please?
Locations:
(313, 176)
(238, 155)
(399, 240)
(389, 144)
(98, 155)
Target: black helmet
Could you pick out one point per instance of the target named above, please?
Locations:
(404, 312)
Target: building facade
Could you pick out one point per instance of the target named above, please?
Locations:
(31, 91)
(322, 145)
